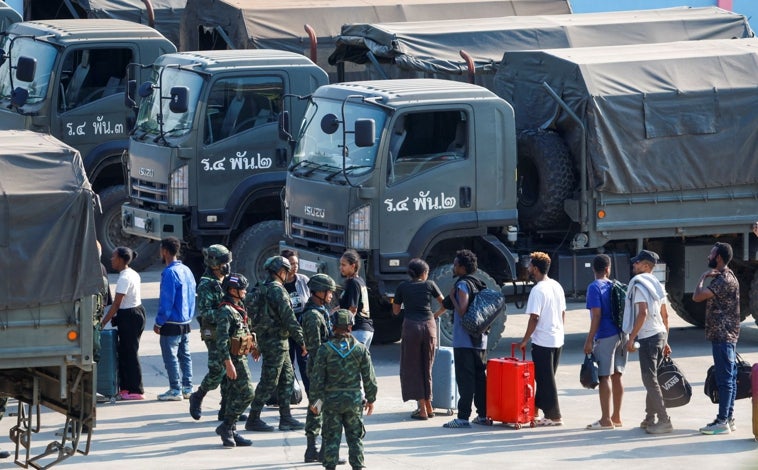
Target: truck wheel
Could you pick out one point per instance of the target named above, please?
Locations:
(546, 179)
(690, 311)
(254, 246)
(110, 234)
(443, 276)
(754, 297)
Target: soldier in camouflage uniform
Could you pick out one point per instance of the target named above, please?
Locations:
(234, 342)
(4, 454)
(317, 328)
(273, 320)
(209, 296)
(342, 365)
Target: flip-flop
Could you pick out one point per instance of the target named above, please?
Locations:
(618, 425)
(417, 415)
(547, 422)
(596, 426)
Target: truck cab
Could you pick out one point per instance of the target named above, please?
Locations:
(212, 170)
(75, 92)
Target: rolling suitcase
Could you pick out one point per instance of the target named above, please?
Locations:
(754, 385)
(510, 390)
(444, 389)
(107, 368)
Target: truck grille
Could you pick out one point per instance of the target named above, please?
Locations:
(314, 234)
(149, 191)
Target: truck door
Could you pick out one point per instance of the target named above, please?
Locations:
(239, 136)
(90, 100)
(430, 179)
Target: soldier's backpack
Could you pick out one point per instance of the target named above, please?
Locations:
(618, 299)
(256, 304)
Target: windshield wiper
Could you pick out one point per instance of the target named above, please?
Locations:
(340, 171)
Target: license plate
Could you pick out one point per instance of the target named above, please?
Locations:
(139, 222)
(309, 266)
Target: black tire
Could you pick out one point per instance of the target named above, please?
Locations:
(443, 276)
(254, 246)
(110, 234)
(754, 297)
(688, 310)
(546, 179)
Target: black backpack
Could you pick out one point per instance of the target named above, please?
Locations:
(618, 299)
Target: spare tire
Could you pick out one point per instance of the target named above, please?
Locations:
(546, 179)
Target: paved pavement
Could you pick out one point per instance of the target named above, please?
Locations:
(155, 435)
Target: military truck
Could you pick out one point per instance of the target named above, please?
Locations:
(49, 280)
(8, 16)
(644, 146)
(67, 78)
(206, 163)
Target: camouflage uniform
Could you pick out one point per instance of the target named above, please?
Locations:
(231, 322)
(316, 330)
(209, 295)
(341, 365)
(277, 326)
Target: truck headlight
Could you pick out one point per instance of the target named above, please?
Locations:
(178, 188)
(358, 228)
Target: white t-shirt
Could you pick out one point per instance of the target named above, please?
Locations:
(548, 301)
(129, 284)
(653, 320)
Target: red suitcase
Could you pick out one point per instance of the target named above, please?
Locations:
(754, 385)
(510, 390)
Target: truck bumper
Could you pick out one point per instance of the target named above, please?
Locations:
(151, 224)
(312, 262)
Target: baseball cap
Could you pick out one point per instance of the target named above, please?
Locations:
(646, 255)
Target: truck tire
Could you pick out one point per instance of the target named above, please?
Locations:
(546, 179)
(110, 234)
(443, 276)
(754, 297)
(254, 246)
(688, 310)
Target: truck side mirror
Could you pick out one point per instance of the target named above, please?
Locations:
(145, 90)
(131, 90)
(19, 96)
(365, 132)
(25, 68)
(284, 126)
(330, 123)
(179, 97)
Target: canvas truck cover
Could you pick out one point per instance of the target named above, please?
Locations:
(8, 16)
(272, 24)
(659, 117)
(47, 230)
(433, 46)
(164, 17)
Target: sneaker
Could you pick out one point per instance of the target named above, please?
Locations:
(482, 420)
(457, 423)
(132, 396)
(171, 395)
(186, 392)
(649, 420)
(732, 425)
(716, 427)
(661, 427)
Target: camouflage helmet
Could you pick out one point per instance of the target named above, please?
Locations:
(275, 263)
(216, 255)
(321, 283)
(342, 318)
(234, 281)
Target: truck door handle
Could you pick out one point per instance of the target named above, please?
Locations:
(281, 157)
(465, 196)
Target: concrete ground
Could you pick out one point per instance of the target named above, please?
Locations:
(160, 435)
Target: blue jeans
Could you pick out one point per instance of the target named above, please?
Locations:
(725, 361)
(176, 353)
(651, 357)
(364, 337)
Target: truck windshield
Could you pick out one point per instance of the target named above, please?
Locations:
(151, 108)
(316, 149)
(45, 55)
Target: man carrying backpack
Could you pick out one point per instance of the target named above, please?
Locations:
(606, 341)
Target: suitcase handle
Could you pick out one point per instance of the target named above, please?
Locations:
(529, 391)
(513, 351)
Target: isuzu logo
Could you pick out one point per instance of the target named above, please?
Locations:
(146, 172)
(316, 212)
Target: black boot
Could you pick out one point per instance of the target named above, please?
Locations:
(311, 453)
(238, 439)
(287, 422)
(226, 432)
(340, 461)
(255, 423)
(195, 403)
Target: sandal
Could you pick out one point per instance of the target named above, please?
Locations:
(417, 415)
(596, 426)
(548, 422)
(618, 425)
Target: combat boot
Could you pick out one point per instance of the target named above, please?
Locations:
(222, 410)
(195, 403)
(238, 439)
(255, 423)
(287, 422)
(226, 431)
(340, 460)
(311, 453)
